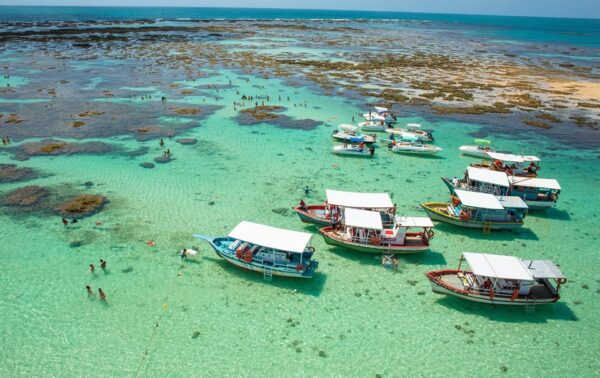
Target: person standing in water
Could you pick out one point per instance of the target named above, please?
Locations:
(89, 290)
(65, 222)
(306, 189)
(101, 294)
(162, 142)
(103, 264)
(92, 268)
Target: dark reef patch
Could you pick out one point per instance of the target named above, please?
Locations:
(82, 206)
(26, 197)
(52, 147)
(272, 116)
(187, 141)
(12, 173)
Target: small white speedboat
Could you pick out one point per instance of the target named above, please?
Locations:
(380, 114)
(480, 149)
(412, 130)
(350, 134)
(354, 150)
(414, 148)
(372, 126)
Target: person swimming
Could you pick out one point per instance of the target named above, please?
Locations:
(162, 142)
(306, 189)
(65, 221)
(74, 221)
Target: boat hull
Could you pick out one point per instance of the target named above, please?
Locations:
(331, 239)
(310, 215)
(432, 151)
(345, 139)
(441, 287)
(474, 152)
(433, 211)
(540, 205)
(364, 153)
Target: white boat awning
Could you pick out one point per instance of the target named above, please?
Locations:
(488, 176)
(271, 237)
(512, 202)
(413, 125)
(497, 266)
(359, 200)
(414, 222)
(363, 219)
(380, 109)
(478, 200)
(347, 127)
(534, 182)
(512, 158)
(543, 269)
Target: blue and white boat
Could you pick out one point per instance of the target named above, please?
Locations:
(350, 134)
(268, 250)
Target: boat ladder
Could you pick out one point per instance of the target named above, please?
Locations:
(487, 226)
(268, 272)
(530, 306)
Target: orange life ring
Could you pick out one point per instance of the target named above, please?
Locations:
(498, 163)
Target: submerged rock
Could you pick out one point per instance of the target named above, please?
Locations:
(187, 141)
(26, 196)
(55, 147)
(12, 173)
(147, 165)
(163, 159)
(82, 205)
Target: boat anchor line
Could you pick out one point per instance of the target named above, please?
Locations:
(137, 372)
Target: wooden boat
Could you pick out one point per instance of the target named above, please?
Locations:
(537, 193)
(480, 149)
(514, 165)
(479, 210)
(350, 134)
(268, 250)
(500, 280)
(363, 231)
(356, 150)
(414, 130)
(332, 211)
(417, 148)
(372, 126)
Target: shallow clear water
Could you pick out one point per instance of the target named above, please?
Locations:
(165, 317)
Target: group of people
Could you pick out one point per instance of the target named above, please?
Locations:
(5, 141)
(392, 261)
(89, 289)
(65, 221)
(90, 292)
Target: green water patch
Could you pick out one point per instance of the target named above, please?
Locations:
(12, 81)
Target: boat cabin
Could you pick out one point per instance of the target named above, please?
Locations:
(534, 189)
(518, 165)
(486, 207)
(500, 276)
(338, 201)
(483, 180)
(366, 227)
(274, 246)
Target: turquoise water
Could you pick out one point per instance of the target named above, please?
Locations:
(165, 317)
(355, 318)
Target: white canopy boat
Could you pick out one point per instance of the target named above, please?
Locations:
(412, 129)
(350, 134)
(480, 149)
(358, 150)
(500, 280)
(538, 193)
(269, 250)
(479, 210)
(372, 126)
(364, 231)
(514, 165)
(332, 210)
(414, 148)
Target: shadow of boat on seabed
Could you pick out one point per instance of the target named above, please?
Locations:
(510, 314)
